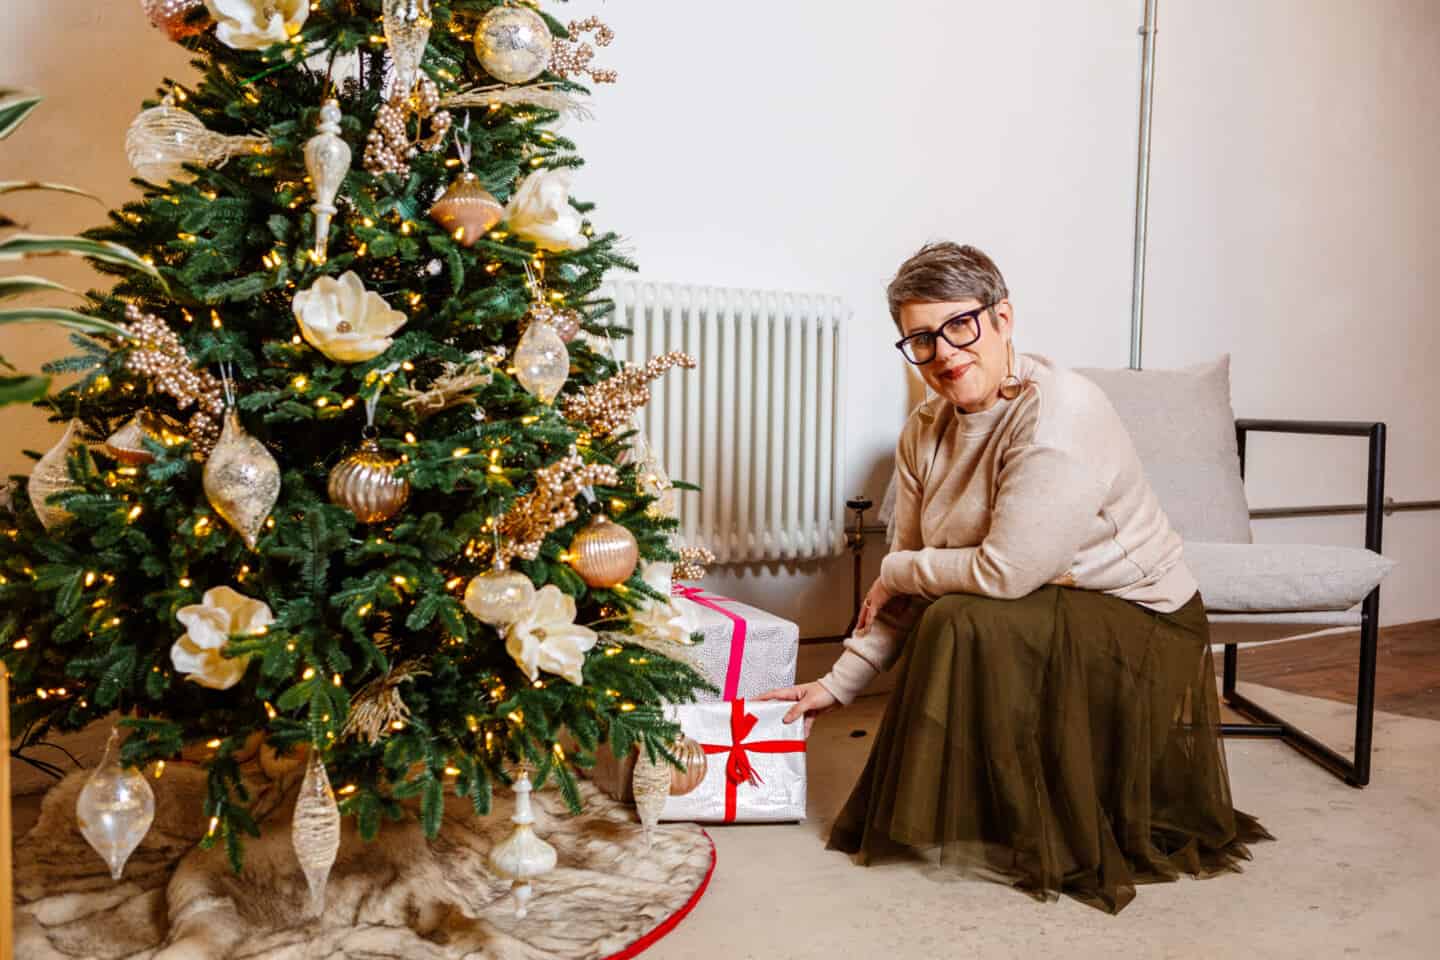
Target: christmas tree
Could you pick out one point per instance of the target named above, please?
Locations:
(352, 490)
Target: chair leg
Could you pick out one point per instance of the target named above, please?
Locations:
(1365, 686)
(1355, 772)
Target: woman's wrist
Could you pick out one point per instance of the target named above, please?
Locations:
(849, 677)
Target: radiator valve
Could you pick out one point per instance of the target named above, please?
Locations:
(855, 536)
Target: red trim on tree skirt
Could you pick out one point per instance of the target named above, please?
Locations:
(670, 922)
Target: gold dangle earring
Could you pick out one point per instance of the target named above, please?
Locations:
(1011, 386)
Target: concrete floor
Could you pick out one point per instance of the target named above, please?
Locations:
(1353, 873)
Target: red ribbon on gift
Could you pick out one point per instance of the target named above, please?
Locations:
(738, 768)
(737, 633)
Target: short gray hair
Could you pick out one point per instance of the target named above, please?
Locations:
(944, 271)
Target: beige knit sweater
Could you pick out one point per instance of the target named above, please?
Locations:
(1046, 488)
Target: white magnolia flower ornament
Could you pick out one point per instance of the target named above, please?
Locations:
(540, 212)
(223, 614)
(256, 24)
(663, 621)
(549, 639)
(344, 321)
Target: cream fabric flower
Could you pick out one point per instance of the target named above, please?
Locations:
(256, 24)
(344, 321)
(657, 618)
(223, 614)
(540, 212)
(549, 639)
(663, 621)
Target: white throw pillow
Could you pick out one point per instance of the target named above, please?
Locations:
(1184, 430)
(1283, 577)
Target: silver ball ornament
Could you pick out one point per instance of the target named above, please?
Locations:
(514, 44)
(500, 597)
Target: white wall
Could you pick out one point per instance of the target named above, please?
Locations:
(808, 145)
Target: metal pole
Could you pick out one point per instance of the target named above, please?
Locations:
(1142, 180)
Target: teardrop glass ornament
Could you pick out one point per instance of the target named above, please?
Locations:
(241, 480)
(315, 831)
(115, 809)
(407, 33)
(542, 362)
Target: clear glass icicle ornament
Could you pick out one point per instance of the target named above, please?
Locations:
(161, 140)
(522, 855)
(115, 809)
(651, 784)
(327, 160)
(407, 33)
(315, 831)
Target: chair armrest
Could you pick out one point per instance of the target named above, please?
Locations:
(1375, 483)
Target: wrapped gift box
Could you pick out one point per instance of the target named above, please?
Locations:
(746, 652)
(756, 770)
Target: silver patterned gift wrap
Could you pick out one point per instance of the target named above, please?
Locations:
(747, 651)
(757, 764)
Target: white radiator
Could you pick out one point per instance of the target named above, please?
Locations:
(760, 425)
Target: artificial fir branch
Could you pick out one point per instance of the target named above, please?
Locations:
(87, 610)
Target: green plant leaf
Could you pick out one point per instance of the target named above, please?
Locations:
(35, 245)
(65, 318)
(15, 106)
(22, 389)
(15, 186)
(18, 286)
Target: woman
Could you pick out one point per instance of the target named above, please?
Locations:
(1055, 721)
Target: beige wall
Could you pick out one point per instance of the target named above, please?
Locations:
(799, 145)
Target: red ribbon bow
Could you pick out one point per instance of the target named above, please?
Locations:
(738, 768)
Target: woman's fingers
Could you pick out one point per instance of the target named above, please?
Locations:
(814, 699)
(781, 693)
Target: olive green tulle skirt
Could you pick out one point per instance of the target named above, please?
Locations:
(1066, 742)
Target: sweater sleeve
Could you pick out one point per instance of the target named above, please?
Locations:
(1044, 500)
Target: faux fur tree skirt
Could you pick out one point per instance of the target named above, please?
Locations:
(400, 896)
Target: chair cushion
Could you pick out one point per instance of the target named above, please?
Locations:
(1283, 577)
(1184, 430)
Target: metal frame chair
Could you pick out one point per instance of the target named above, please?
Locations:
(1355, 772)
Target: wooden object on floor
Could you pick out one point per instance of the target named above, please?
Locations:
(1407, 676)
(7, 873)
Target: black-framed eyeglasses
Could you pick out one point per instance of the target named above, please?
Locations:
(959, 331)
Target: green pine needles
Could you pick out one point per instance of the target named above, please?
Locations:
(88, 608)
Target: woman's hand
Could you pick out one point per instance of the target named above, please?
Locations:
(811, 700)
(874, 600)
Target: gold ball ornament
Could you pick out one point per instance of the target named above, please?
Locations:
(178, 18)
(514, 44)
(692, 757)
(467, 210)
(500, 597)
(128, 443)
(365, 484)
(51, 476)
(242, 480)
(604, 553)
